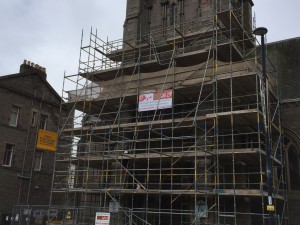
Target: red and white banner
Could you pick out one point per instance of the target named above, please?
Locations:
(155, 100)
(102, 218)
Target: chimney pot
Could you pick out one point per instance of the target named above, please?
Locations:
(30, 67)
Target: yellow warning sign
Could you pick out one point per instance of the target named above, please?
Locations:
(270, 208)
(47, 140)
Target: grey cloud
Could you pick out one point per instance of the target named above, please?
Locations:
(48, 32)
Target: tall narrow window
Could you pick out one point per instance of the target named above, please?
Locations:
(33, 118)
(149, 10)
(37, 164)
(181, 13)
(173, 15)
(14, 115)
(199, 8)
(8, 154)
(43, 121)
(164, 4)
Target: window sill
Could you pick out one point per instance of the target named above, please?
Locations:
(7, 166)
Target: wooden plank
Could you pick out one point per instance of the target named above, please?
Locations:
(237, 112)
(192, 153)
(213, 192)
(134, 125)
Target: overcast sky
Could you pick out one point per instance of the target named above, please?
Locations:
(48, 32)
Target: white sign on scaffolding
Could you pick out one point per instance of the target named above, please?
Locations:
(113, 206)
(155, 100)
(102, 218)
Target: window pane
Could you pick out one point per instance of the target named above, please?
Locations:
(43, 121)
(8, 155)
(13, 121)
(37, 161)
(33, 118)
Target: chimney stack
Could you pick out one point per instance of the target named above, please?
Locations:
(30, 67)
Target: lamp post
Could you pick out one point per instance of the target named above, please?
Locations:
(262, 31)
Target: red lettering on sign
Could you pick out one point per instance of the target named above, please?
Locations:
(102, 217)
(142, 98)
(163, 95)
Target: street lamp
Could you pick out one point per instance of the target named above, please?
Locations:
(262, 31)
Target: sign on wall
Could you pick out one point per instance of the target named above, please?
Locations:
(155, 100)
(46, 140)
(102, 218)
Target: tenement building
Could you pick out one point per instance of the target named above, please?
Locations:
(28, 104)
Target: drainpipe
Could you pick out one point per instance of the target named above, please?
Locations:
(262, 31)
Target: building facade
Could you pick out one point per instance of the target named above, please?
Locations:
(28, 103)
(174, 123)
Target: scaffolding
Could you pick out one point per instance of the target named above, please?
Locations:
(200, 161)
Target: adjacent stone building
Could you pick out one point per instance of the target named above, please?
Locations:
(28, 103)
(284, 55)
